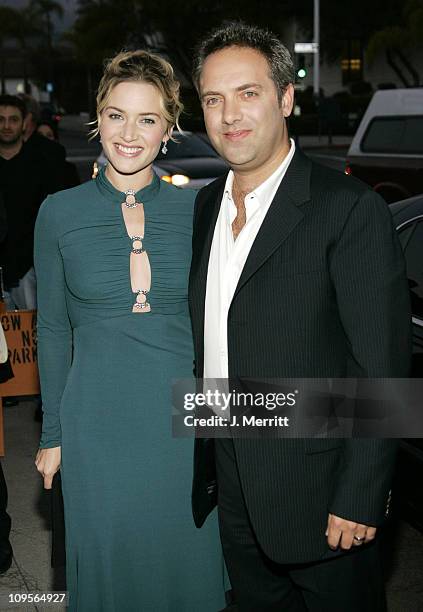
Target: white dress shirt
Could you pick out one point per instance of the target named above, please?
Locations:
(227, 260)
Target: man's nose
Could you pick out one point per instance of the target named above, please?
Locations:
(231, 112)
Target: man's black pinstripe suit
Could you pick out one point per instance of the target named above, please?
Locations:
(323, 294)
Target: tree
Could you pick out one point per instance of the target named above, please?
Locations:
(8, 19)
(42, 11)
(18, 25)
(396, 41)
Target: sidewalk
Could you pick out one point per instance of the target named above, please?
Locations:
(29, 509)
(30, 537)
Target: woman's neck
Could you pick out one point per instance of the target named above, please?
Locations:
(123, 182)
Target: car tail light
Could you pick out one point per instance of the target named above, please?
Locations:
(347, 169)
(176, 179)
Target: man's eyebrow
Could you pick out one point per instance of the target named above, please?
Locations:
(123, 112)
(249, 86)
(239, 88)
(210, 93)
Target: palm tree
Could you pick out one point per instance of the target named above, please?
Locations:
(8, 18)
(18, 25)
(395, 41)
(43, 11)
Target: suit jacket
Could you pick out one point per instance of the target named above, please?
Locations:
(323, 293)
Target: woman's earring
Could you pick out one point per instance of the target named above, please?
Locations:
(164, 149)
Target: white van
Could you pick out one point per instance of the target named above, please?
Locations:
(387, 150)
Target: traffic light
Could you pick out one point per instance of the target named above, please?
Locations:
(301, 67)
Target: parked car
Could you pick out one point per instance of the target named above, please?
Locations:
(408, 218)
(50, 112)
(387, 149)
(189, 162)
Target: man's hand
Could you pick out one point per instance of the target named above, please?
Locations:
(48, 463)
(345, 534)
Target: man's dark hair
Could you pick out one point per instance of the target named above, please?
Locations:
(8, 100)
(239, 34)
(32, 107)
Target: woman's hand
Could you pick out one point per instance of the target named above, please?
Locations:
(48, 463)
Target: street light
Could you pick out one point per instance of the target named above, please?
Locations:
(316, 40)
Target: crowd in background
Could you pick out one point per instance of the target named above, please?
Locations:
(32, 166)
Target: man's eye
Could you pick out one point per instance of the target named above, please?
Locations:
(211, 101)
(250, 94)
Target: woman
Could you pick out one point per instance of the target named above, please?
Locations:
(112, 259)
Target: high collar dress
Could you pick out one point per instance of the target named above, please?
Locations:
(106, 375)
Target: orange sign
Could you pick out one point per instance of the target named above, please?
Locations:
(21, 336)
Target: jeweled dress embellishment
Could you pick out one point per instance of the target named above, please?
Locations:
(140, 271)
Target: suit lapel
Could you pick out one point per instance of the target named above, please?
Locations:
(282, 217)
(208, 206)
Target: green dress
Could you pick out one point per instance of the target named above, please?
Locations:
(106, 374)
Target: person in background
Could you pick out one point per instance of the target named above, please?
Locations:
(6, 552)
(24, 183)
(49, 150)
(49, 130)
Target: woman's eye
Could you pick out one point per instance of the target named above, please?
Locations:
(148, 121)
(115, 116)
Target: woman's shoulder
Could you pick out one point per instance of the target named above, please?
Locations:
(68, 200)
(63, 206)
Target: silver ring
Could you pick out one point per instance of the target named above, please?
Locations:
(358, 539)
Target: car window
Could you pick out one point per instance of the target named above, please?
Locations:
(187, 146)
(414, 259)
(394, 135)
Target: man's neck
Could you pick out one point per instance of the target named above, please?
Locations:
(247, 181)
(7, 152)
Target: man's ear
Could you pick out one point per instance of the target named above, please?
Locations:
(288, 100)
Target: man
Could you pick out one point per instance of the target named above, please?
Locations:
(6, 373)
(63, 175)
(296, 272)
(25, 180)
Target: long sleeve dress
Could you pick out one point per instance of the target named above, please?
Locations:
(106, 369)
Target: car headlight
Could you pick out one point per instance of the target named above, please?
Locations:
(176, 179)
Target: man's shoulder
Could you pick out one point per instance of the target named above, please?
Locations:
(334, 183)
(211, 190)
(335, 196)
(49, 150)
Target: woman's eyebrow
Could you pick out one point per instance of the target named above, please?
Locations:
(122, 111)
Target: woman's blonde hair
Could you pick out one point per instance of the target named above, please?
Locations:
(145, 67)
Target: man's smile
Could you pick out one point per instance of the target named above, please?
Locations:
(236, 135)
